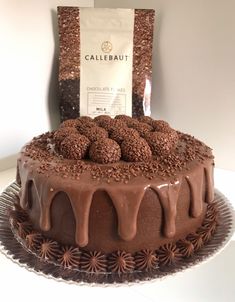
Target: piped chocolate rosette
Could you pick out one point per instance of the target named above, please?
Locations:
(115, 195)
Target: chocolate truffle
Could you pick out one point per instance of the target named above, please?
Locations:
(120, 134)
(95, 133)
(74, 146)
(105, 151)
(161, 143)
(135, 150)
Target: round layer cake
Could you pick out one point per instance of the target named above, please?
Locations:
(113, 186)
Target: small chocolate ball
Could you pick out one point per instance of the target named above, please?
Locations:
(136, 150)
(105, 151)
(120, 134)
(142, 128)
(161, 126)
(162, 143)
(62, 133)
(112, 124)
(85, 119)
(83, 128)
(70, 123)
(102, 117)
(132, 123)
(74, 146)
(145, 119)
(123, 117)
(95, 133)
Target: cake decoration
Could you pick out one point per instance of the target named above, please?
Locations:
(69, 257)
(161, 143)
(34, 240)
(168, 254)
(93, 262)
(205, 232)
(74, 146)
(71, 123)
(105, 151)
(135, 150)
(123, 133)
(62, 133)
(146, 260)
(161, 126)
(196, 240)
(85, 119)
(95, 133)
(185, 247)
(49, 249)
(121, 262)
(142, 128)
(24, 228)
(146, 119)
(16, 216)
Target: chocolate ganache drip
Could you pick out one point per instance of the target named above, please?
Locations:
(38, 160)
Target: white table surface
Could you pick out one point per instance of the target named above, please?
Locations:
(209, 282)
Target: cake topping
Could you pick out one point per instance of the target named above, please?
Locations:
(94, 262)
(62, 133)
(123, 117)
(111, 124)
(168, 254)
(73, 123)
(83, 128)
(161, 143)
(185, 247)
(70, 256)
(16, 216)
(196, 240)
(74, 146)
(105, 151)
(123, 133)
(161, 126)
(95, 133)
(142, 128)
(34, 240)
(121, 262)
(101, 118)
(145, 119)
(24, 228)
(205, 232)
(135, 150)
(146, 260)
(85, 119)
(49, 249)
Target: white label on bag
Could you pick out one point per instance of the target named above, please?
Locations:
(106, 39)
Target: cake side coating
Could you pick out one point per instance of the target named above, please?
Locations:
(118, 204)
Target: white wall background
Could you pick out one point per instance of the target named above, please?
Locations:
(194, 69)
(193, 78)
(28, 70)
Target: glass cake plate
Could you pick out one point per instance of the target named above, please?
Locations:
(13, 247)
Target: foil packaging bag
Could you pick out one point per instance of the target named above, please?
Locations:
(105, 61)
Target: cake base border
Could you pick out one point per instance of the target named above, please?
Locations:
(15, 251)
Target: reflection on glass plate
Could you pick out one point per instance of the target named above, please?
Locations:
(14, 249)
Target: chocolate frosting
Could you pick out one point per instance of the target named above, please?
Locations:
(50, 174)
(120, 261)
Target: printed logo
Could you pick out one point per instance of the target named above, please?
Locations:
(106, 46)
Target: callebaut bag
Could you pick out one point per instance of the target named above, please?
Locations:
(105, 61)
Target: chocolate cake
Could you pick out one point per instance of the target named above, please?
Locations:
(115, 195)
